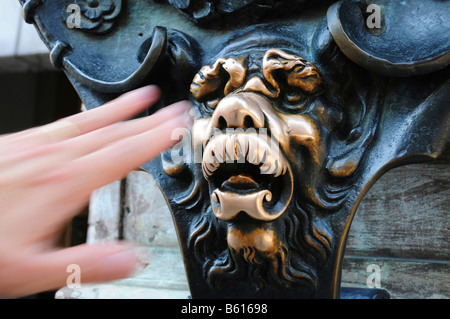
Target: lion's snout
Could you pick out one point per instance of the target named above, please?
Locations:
(239, 110)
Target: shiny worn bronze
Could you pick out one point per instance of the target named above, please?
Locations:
(256, 182)
(300, 107)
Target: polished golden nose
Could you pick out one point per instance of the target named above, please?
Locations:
(241, 110)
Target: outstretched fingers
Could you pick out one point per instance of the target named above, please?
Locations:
(97, 139)
(117, 159)
(29, 163)
(76, 180)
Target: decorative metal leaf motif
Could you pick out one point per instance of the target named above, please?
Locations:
(95, 16)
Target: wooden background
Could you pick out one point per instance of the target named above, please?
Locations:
(402, 226)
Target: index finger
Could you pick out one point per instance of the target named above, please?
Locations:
(119, 109)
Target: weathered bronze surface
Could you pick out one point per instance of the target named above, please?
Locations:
(299, 108)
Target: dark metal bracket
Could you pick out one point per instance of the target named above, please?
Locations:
(345, 104)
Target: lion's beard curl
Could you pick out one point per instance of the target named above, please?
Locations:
(303, 247)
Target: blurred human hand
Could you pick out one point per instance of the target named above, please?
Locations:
(47, 175)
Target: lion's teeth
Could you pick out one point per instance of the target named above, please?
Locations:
(240, 149)
(278, 168)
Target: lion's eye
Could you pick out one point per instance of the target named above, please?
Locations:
(207, 108)
(212, 103)
(299, 68)
(294, 102)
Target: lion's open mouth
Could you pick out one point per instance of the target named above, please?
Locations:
(247, 173)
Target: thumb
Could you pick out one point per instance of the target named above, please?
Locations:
(53, 270)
